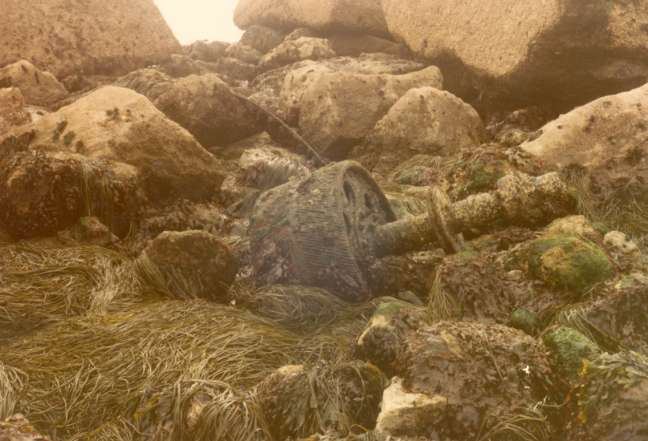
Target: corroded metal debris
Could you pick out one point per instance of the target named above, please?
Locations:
(324, 230)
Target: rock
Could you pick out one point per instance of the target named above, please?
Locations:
(38, 87)
(578, 226)
(623, 250)
(602, 46)
(302, 32)
(204, 105)
(611, 402)
(476, 286)
(605, 133)
(267, 86)
(347, 394)
(189, 265)
(337, 110)
(236, 69)
(418, 171)
(244, 53)
(206, 50)
(12, 109)
(90, 37)
(423, 121)
(42, 193)
(353, 44)
(179, 65)
(124, 129)
(525, 320)
(382, 342)
(18, 428)
(569, 263)
(392, 275)
(570, 350)
(262, 38)
(486, 373)
(351, 15)
(405, 414)
(291, 51)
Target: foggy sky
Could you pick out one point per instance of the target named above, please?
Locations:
(193, 20)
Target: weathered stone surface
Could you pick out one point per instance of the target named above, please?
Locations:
(38, 87)
(42, 193)
(352, 15)
(12, 109)
(562, 50)
(262, 38)
(124, 128)
(189, 265)
(291, 51)
(337, 110)
(404, 413)
(244, 53)
(606, 137)
(423, 121)
(206, 50)
(93, 36)
(202, 104)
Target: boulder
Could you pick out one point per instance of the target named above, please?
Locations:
(486, 373)
(244, 53)
(91, 37)
(206, 50)
(291, 51)
(124, 129)
(423, 121)
(557, 51)
(603, 142)
(38, 87)
(336, 110)
(262, 38)
(42, 193)
(351, 15)
(203, 104)
(569, 264)
(611, 401)
(403, 413)
(12, 109)
(91, 231)
(189, 265)
(347, 394)
(570, 350)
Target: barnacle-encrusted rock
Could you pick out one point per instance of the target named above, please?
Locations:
(38, 87)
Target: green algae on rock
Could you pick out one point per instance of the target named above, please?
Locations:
(569, 349)
(569, 263)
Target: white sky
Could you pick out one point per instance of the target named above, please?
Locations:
(193, 20)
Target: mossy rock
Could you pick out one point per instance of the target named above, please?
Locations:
(569, 349)
(569, 263)
(524, 320)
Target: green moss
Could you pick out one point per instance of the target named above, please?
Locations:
(569, 263)
(569, 348)
(483, 177)
(524, 320)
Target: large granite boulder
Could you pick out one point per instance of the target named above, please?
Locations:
(122, 127)
(203, 104)
(533, 51)
(336, 110)
(92, 36)
(352, 15)
(423, 121)
(38, 87)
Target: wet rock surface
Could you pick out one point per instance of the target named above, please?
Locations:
(362, 221)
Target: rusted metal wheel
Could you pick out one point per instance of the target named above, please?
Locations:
(318, 231)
